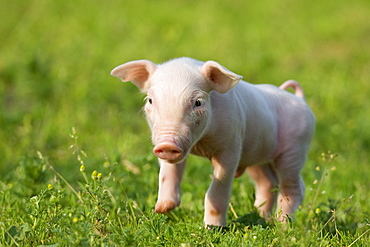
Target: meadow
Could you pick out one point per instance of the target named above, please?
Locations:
(76, 165)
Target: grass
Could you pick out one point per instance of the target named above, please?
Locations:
(60, 110)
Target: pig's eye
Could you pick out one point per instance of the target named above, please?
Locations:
(197, 103)
(150, 100)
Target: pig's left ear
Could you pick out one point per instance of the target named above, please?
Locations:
(219, 78)
(138, 72)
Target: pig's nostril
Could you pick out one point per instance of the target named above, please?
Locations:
(160, 151)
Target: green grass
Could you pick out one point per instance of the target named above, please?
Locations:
(55, 59)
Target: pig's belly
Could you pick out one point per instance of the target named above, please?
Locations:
(259, 155)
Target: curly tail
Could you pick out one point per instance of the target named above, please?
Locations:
(298, 91)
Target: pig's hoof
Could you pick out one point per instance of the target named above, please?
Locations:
(165, 206)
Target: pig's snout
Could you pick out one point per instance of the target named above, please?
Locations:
(168, 151)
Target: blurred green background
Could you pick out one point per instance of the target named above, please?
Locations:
(56, 56)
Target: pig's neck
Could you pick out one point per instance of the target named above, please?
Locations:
(203, 148)
(226, 121)
(208, 144)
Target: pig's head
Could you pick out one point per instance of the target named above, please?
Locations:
(178, 106)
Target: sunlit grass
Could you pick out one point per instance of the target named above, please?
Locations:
(55, 59)
(108, 207)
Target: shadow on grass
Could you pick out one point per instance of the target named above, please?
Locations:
(242, 223)
(248, 220)
(251, 219)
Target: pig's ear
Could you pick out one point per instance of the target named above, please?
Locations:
(136, 71)
(219, 78)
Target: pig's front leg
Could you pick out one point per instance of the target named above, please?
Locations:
(170, 176)
(218, 195)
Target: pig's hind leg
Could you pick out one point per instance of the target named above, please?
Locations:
(266, 181)
(291, 186)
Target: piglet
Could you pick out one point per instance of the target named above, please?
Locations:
(204, 109)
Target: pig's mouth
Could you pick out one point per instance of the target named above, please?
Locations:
(170, 152)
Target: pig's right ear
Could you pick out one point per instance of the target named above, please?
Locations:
(219, 78)
(138, 72)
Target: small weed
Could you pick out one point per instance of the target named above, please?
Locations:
(62, 214)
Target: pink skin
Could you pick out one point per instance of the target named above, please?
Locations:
(205, 109)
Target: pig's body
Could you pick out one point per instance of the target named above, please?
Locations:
(202, 108)
(252, 127)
